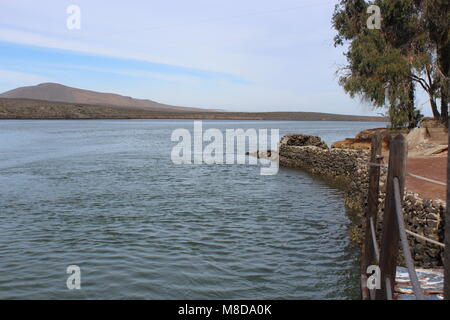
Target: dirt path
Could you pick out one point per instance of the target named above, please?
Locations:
(430, 167)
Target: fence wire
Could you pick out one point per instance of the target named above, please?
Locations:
(381, 165)
(405, 245)
(418, 236)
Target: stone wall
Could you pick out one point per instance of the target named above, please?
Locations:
(425, 217)
(350, 169)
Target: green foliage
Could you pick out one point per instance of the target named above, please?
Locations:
(348, 18)
(384, 65)
(402, 118)
(378, 73)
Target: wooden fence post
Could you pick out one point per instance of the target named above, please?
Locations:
(447, 237)
(390, 236)
(368, 255)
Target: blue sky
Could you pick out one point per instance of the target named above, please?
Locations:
(252, 55)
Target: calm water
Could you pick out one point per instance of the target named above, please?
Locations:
(104, 195)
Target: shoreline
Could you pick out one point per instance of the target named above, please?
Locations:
(347, 168)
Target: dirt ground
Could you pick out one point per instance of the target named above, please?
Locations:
(430, 167)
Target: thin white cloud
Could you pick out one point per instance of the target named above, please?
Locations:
(34, 39)
(86, 47)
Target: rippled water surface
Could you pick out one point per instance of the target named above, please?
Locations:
(104, 195)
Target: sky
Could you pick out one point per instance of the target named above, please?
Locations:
(252, 55)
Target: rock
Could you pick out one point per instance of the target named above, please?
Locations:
(436, 150)
(363, 140)
(351, 144)
(302, 140)
(416, 137)
(431, 123)
(436, 130)
(432, 224)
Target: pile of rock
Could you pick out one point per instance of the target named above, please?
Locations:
(302, 140)
(362, 141)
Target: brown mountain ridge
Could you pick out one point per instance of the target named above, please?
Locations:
(56, 101)
(55, 92)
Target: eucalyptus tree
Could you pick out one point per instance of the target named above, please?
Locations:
(384, 65)
(435, 24)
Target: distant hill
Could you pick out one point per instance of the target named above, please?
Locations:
(38, 109)
(58, 93)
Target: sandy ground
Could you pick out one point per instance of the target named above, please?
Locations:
(430, 167)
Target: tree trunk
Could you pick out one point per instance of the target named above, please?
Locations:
(412, 121)
(434, 108)
(444, 65)
(444, 107)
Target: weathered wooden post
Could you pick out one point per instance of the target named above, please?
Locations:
(390, 235)
(447, 237)
(368, 256)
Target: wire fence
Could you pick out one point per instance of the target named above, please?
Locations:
(405, 245)
(374, 241)
(418, 236)
(394, 230)
(381, 165)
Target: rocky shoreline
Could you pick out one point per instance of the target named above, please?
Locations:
(349, 169)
